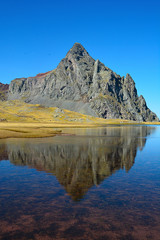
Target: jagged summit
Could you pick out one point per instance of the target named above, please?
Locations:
(81, 84)
(78, 49)
(78, 55)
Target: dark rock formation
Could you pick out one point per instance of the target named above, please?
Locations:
(3, 91)
(81, 84)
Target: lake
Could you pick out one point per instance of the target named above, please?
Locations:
(96, 183)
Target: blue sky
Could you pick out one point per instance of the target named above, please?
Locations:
(124, 35)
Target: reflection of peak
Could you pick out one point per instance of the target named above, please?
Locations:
(81, 162)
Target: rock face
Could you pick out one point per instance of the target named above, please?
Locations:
(79, 83)
(3, 91)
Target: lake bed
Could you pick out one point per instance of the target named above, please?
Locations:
(96, 183)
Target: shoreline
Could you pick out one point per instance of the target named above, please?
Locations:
(41, 130)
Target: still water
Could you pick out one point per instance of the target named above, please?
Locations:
(101, 183)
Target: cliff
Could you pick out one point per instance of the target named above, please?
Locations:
(81, 84)
(3, 91)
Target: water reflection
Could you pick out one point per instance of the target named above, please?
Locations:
(82, 160)
(33, 205)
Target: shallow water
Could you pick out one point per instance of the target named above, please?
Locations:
(101, 183)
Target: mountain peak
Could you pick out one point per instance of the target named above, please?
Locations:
(77, 46)
(78, 50)
(79, 83)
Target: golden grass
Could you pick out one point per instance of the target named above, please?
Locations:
(22, 120)
(22, 130)
(18, 111)
(39, 130)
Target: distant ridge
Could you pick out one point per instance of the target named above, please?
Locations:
(3, 91)
(81, 84)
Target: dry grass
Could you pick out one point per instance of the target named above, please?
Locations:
(21, 130)
(18, 111)
(22, 120)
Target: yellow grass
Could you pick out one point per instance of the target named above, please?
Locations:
(18, 111)
(22, 120)
(21, 130)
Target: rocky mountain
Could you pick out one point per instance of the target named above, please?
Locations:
(79, 83)
(3, 91)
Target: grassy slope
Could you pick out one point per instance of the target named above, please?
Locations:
(17, 111)
(19, 119)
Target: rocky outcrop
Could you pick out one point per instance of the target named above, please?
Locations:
(79, 83)
(3, 91)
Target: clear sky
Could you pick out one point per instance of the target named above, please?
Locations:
(125, 35)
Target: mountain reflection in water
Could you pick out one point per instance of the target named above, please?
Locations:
(93, 185)
(79, 162)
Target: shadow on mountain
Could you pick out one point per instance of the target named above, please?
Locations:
(80, 161)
